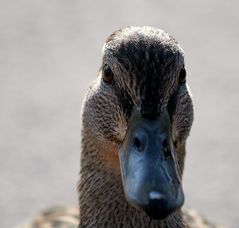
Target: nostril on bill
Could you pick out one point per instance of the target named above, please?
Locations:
(139, 140)
(137, 144)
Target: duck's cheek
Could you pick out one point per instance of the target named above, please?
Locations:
(103, 117)
(110, 158)
(121, 128)
(182, 116)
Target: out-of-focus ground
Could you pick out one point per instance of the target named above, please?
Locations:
(50, 51)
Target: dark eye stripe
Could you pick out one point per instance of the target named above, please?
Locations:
(182, 76)
(108, 75)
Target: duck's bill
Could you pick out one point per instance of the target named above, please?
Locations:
(149, 166)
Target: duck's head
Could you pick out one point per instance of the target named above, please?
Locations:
(140, 106)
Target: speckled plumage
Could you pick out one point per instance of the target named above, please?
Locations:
(146, 64)
(68, 217)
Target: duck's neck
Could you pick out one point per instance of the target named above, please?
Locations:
(102, 200)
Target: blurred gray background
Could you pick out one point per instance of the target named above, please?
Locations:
(50, 51)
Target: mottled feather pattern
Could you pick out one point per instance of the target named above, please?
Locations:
(55, 217)
(144, 61)
(145, 65)
(68, 217)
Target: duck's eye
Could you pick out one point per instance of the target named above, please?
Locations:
(182, 76)
(108, 75)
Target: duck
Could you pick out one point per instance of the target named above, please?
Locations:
(136, 118)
